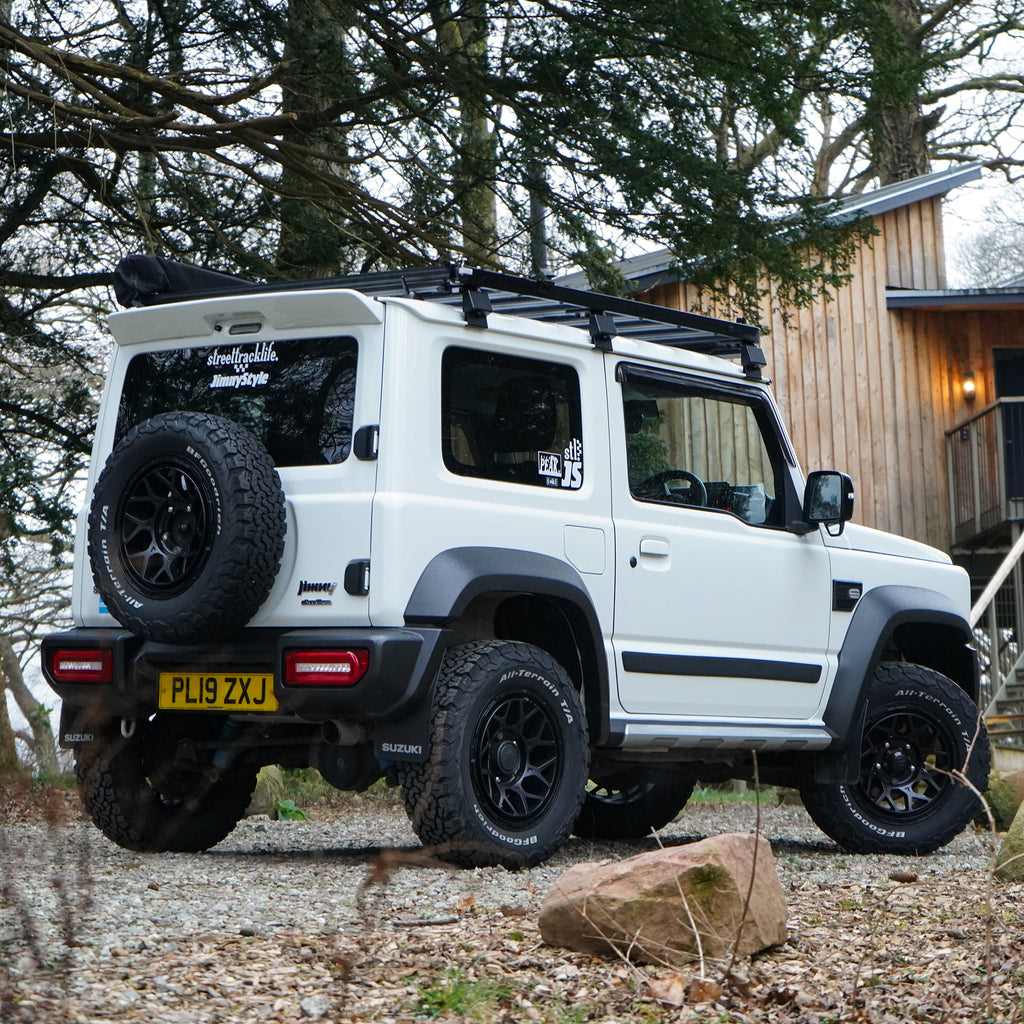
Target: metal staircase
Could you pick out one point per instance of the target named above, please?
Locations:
(1004, 718)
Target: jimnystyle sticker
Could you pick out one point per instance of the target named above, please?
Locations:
(237, 362)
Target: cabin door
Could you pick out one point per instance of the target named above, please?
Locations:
(1009, 375)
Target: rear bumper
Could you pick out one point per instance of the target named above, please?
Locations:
(403, 664)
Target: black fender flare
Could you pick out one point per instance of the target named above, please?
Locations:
(453, 579)
(876, 619)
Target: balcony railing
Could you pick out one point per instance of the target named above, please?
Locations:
(985, 455)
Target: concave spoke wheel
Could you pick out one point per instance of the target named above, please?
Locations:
(924, 756)
(906, 761)
(165, 528)
(517, 755)
(508, 757)
(632, 803)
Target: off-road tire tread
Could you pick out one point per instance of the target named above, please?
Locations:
(115, 793)
(251, 543)
(435, 798)
(825, 803)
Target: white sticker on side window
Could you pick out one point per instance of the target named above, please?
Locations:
(565, 470)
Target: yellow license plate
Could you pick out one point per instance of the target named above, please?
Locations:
(206, 691)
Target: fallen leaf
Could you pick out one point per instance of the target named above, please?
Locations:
(670, 990)
(903, 876)
(703, 990)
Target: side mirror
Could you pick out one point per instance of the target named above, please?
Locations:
(828, 499)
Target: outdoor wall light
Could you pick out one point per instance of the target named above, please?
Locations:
(970, 392)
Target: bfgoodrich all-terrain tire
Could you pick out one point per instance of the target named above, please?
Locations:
(920, 727)
(633, 803)
(508, 759)
(186, 528)
(142, 800)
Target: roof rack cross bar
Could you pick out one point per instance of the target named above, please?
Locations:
(477, 278)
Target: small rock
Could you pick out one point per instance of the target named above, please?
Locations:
(903, 876)
(315, 1007)
(269, 789)
(1010, 859)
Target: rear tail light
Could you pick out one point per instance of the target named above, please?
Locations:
(325, 668)
(82, 666)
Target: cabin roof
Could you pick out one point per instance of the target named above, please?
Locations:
(948, 300)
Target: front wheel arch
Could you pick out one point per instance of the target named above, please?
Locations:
(917, 625)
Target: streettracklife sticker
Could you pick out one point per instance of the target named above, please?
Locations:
(237, 363)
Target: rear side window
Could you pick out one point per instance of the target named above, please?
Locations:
(296, 397)
(511, 419)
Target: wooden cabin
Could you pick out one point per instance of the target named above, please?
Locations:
(914, 389)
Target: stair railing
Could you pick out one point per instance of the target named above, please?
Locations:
(998, 645)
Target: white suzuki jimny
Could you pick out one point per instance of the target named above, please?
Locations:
(542, 557)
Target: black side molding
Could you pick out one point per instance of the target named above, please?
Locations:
(722, 668)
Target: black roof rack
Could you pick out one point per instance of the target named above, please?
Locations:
(153, 280)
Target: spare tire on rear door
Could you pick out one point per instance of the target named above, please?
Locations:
(186, 528)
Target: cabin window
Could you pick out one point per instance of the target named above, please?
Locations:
(696, 447)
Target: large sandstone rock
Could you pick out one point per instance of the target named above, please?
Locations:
(1004, 795)
(1010, 859)
(644, 905)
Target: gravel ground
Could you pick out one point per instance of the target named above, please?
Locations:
(345, 920)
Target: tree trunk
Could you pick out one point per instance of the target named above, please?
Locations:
(899, 126)
(537, 188)
(462, 40)
(9, 767)
(40, 741)
(312, 243)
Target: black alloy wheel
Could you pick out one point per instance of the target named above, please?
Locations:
(633, 803)
(924, 757)
(167, 534)
(518, 751)
(906, 763)
(508, 758)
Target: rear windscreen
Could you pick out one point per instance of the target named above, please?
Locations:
(296, 397)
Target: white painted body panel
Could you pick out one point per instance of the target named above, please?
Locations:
(705, 583)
